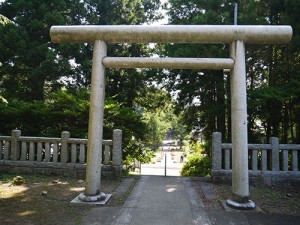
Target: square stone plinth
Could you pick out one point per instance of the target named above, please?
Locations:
(229, 209)
(103, 202)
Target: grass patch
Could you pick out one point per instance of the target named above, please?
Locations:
(277, 200)
(269, 199)
(46, 199)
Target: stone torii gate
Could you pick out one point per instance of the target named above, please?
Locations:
(234, 35)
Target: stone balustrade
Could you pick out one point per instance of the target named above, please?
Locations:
(272, 164)
(62, 156)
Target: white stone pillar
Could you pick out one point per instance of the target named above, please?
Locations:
(240, 177)
(95, 131)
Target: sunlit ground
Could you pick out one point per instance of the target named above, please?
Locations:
(45, 200)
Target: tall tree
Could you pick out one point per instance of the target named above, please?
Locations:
(200, 93)
(124, 85)
(159, 113)
(44, 87)
(271, 70)
(30, 64)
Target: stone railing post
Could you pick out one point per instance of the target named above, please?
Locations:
(117, 147)
(64, 151)
(106, 154)
(216, 151)
(15, 146)
(274, 141)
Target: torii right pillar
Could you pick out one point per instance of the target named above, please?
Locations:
(240, 177)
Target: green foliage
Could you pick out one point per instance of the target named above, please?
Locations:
(272, 71)
(158, 111)
(28, 59)
(201, 94)
(18, 180)
(196, 148)
(44, 87)
(137, 150)
(67, 110)
(178, 128)
(157, 128)
(196, 166)
(4, 20)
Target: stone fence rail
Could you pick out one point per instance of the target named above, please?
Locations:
(272, 164)
(62, 156)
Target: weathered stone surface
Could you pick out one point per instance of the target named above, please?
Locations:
(124, 187)
(64, 150)
(241, 205)
(95, 129)
(82, 153)
(1, 151)
(169, 63)
(106, 154)
(15, 145)
(50, 168)
(6, 151)
(24, 151)
(5, 169)
(217, 151)
(239, 135)
(295, 160)
(207, 190)
(80, 174)
(172, 34)
(269, 178)
(69, 172)
(73, 153)
(25, 170)
(78, 166)
(39, 139)
(101, 199)
(18, 163)
(117, 147)
(275, 153)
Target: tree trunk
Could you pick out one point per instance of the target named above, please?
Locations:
(285, 125)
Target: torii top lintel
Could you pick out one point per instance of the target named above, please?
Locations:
(207, 34)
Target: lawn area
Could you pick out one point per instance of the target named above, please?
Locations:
(46, 199)
(270, 199)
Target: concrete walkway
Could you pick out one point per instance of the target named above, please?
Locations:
(158, 200)
(155, 201)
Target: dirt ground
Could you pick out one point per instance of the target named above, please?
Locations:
(46, 199)
(270, 200)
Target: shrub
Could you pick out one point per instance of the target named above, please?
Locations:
(136, 150)
(196, 166)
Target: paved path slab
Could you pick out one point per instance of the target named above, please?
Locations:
(159, 200)
(155, 200)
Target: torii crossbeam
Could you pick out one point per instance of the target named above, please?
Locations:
(234, 35)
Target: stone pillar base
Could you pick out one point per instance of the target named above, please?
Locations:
(241, 203)
(100, 199)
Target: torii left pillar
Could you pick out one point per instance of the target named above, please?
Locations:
(95, 132)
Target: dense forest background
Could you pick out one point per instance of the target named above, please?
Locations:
(44, 87)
